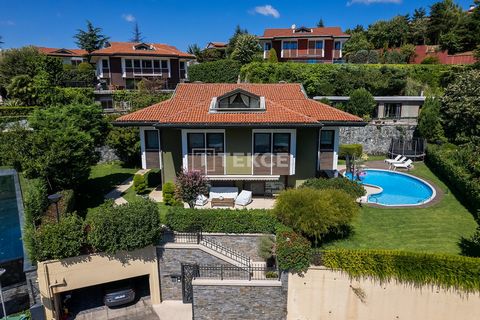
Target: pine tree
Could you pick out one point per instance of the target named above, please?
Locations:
(320, 24)
(137, 35)
(91, 39)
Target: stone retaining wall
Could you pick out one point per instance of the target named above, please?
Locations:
(247, 244)
(375, 138)
(107, 154)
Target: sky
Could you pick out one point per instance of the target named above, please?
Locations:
(183, 22)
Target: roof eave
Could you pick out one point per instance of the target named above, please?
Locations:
(344, 123)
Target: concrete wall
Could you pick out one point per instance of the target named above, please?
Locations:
(171, 145)
(375, 138)
(217, 300)
(58, 276)
(325, 294)
(306, 160)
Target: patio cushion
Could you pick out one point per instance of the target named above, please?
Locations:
(201, 200)
(244, 198)
(225, 192)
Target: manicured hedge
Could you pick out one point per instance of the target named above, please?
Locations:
(221, 220)
(293, 251)
(446, 163)
(342, 79)
(352, 188)
(221, 71)
(445, 271)
(350, 150)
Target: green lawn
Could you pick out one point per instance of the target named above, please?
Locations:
(103, 178)
(434, 229)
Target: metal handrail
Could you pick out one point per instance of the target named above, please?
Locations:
(225, 272)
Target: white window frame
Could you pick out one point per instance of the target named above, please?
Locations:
(290, 40)
(342, 42)
(143, 148)
(293, 145)
(185, 133)
(336, 144)
(124, 69)
(316, 50)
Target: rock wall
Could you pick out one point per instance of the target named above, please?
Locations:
(375, 138)
(107, 154)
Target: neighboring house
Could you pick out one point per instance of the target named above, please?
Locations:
(388, 107)
(121, 65)
(241, 134)
(216, 45)
(69, 56)
(424, 51)
(310, 45)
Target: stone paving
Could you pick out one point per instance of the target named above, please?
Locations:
(116, 194)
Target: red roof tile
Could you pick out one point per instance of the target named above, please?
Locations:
(62, 52)
(284, 104)
(128, 48)
(289, 32)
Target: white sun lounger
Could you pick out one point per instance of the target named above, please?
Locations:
(406, 165)
(401, 160)
(393, 160)
(244, 198)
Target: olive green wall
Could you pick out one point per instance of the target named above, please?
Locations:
(238, 149)
(171, 140)
(306, 160)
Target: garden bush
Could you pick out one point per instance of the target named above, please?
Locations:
(221, 71)
(60, 240)
(139, 183)
(471, 246)
(35, 201)
(125, 143)
(350, 187)
(315, 213)
(126, 227)
(445, 271)
(16, 111)
(222, 220)
(266, 247)
(168, 193)
(138, 99)
(153, 178)
(293, 252)
(190, 184)
(350, 150)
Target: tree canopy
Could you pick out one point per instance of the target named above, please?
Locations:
(90, 39)
(136, 34)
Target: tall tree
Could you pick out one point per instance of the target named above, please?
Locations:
(419, 27)
(91, 39)
(246, 47)
(320, 23)
(137, 35)
(444, 16)
(232, 42)
(196, 51)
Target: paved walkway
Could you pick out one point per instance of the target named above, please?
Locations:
(173, 309)
(116, 194)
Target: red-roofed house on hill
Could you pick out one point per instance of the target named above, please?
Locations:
(252, 136)
(310, 45)
(69, 56)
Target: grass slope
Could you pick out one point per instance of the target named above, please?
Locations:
(434, 229)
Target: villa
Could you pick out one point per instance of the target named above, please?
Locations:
(301, 44)
(68, 56)
(256, 137)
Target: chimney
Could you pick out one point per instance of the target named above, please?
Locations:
(294, 26)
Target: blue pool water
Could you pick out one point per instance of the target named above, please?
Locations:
(398, 188)
(10, 234)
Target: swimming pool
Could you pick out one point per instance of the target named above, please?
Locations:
(398, 189)
(10, 233)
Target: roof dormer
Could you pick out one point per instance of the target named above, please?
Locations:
(237, 100)
(143, 46)
(302, 30)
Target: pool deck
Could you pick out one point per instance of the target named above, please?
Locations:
(379, 164)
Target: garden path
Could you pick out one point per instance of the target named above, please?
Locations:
(116, 194)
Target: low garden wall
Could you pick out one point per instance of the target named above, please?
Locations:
(326, 294)
(375, 138)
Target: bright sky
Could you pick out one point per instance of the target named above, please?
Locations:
(53, 23)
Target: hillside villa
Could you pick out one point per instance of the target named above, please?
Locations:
(301, 44)
(252, 136)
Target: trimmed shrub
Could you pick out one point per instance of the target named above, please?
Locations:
(16, 111)
(351, 188)
(126, 144)
(361, 103)
(445, 271)
(315, 213)
(350, 150)
(35, 201)
(222, 220)
(58, 240)
(68, 201)
(471, 246)
(293, 252)
(431, 60)
(266, 247)
(221, 71)
(126, 227)
(168, 192)
(139, 183)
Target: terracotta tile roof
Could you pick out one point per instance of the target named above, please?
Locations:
(128, 48)
(284, 104)
(289, 32)
(218, 45)
(62, 52)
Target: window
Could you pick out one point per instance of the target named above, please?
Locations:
(327, 140)
(238, 99)
(290, 45)
(281, 143)
(262, 143)
(210, 142)
(151, 140)
(128, 65)
(267, 46)
(146, 64)
(105, 63)
(393, 110)
(315, 47)
(182, 65)
(137, 66)
(338, 45)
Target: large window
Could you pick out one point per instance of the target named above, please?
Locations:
(271, 142)
(393, 110)
(146, 66)
(315, 48)
(262, 143)
(327, 140)
(105, 66)
(289, 48)
(338, 45)
(210, 142)
(151, 140)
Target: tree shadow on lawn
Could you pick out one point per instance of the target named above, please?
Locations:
(92, 193)
(343, 232)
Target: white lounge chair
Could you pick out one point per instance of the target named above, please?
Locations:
(244, 198)
(406, 165)
(201, 200)
(393, 160)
